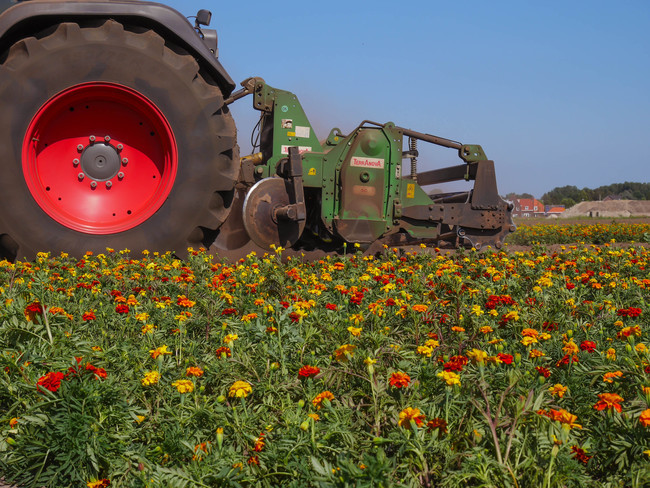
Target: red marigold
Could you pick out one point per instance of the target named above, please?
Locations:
(51, 381)
(545, 372)
(32, 310)
(437, 423)
(331, 306)
(260, 443)
(122, 308)
(567, 359)
(228, 311)
(589, 346)
(90, 315)
(254, 460)
(629, 312)
(308, 371)
(399, 380)
(580, 454)
(506, 358)
(455, 363)
(223, 351)
(98, 372)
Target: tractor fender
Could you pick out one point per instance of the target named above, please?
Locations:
(26, 18)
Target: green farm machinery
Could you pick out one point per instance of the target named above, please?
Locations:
(116, 133)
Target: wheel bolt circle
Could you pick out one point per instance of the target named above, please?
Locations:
(81, 176)
(75, 161)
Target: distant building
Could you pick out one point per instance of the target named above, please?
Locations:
(610, 198)
(528, 207)
(554, 210)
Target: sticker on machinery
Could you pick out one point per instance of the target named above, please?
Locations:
(301, 149)
(367, 162)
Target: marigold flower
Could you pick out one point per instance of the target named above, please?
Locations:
(410, 414)
(122, 308)
(535, 353)
(477, 356)
(51, 381)
(344, 353)
(644, 418)
(437, 423)
(230, 338)
(399, 380)
(545, 372)
(32, 310)
(589, 346)
(194, 371)
(200, 450)
(160, 351)
(611, 354)
(248, 317)
(13, 422)
(486, 329)
(223, 352)
(609, 377)
(424, 351)
(90, 315)
(580, 454)
(456, 328)
(609, 401)
(260, 443)
(506, 358)
(103, 483)
(641, 347)
(308, 371)
(240, 389)
(449, 377)
(527, 341)
(420, 308)
(355, 331)
(562, 416)
(558, 390)
(321, 397)
(150, 378)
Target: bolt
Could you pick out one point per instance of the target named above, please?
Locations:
(120, 147)
(81, 176)
(93, 184)
(109, 184)
(107, 139)
(120, 175)
(91, 139)
(125, 161)
(75, 161)
(259, 170)
(80, 147)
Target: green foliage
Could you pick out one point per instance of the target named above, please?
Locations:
(569, 195)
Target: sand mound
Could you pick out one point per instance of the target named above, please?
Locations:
(613, 208)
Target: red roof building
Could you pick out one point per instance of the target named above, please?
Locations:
(528, 207)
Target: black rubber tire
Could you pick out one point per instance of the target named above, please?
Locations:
(37, 68)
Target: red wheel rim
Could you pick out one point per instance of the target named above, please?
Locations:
(99, 158)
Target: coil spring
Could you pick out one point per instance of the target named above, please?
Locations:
(413, 148)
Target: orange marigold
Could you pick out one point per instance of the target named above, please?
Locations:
(318, 401)
(399, 380)
(194, 371)
(609, 401)
(410, 414)
(344, 352)
(644, 418)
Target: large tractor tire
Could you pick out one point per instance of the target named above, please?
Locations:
(110, 138)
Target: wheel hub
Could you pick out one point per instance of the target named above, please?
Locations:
(101, 162)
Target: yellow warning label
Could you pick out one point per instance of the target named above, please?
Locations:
(291, 134)
(312, 172)
(410, 190)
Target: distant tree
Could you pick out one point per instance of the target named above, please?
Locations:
(568, 202)
(513, 196)
(627, 190)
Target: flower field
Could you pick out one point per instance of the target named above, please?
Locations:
(409, 369)
(598, 233)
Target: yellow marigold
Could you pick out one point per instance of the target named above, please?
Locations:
(558, 390)
(611, 354)
(641, 347)
(230, 338)
(357, 318)
(449, 377)
(160, 351)
(419, 308)
(355, 331)
(184, 386)
(132, 301)
(345, 352)
(147, 329)
(150, 378)
(535, 353)
(194, 371)
(527, 341)
(248, 317)
(13, 422)
(424, 351)
(512, 315)
(432, 343)
(609, 377)
(240, 389)
(486, 329)
(477, 310)
(410, 414)
(142, 317)
(321, 397)
(544, 336)
(477, 356)
(314, 416)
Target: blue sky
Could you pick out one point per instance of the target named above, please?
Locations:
(557, 93)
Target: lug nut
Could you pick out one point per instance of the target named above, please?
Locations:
(125, 161)
(80, 147)
(107, 138)
(109, 184)
(91, 139)
(120, 147)
(120, 175)
(93, 184)
(75, 161)
(81, 176)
